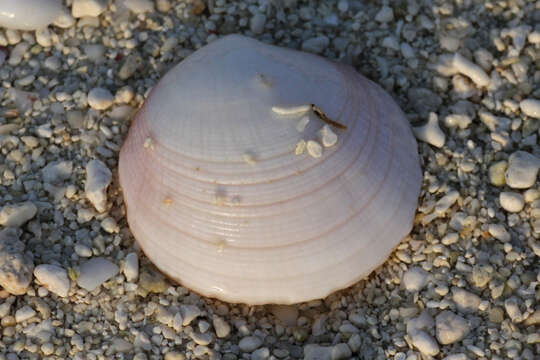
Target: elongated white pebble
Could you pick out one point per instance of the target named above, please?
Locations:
(314, 149)
(328, 137)
(302, 123)
(29, 14)
(291, 110)
(530, 107)
(300, 147)
(431, 132)
(470, 69)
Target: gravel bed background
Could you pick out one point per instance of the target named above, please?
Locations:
(463, 285)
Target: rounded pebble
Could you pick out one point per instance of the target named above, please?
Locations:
(100, 99)
(54, 278)
(522, 170)
(511, 201)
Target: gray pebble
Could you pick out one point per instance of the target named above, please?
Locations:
(15, 266)
(100, 98)
(451, 328)
(250, 343)
(95, 272)
(522, 170)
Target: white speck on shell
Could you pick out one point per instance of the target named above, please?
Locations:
(302, 123)
(314, 149)
(328, 137)
(149, 143)
(249, 159)
(291, 110)
(300, 147)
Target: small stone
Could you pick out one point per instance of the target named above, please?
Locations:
(316, 45)
(98, 178)
(385, 14)
(131, 267)
(481, 275)
(139, 6)
(499, 232)
(511, 201)
(189, 313)
(47, 349)
(450, 327)
(260, 354)
(24, 313)
(83, 8)
(83, 250)
(129, 67)
(287, 314)
(173, 355)
(250, 343)
(152, 281)
(415, 279)
(54, 278)
(15, 266)
(57, 171)
(317, 352)
(431, 132)
(511, 306)
(423, 322)
(459, 356)
(522, 170)
(257, 23)
(341, 351)
(95, 272)
(496, 315)
(100, 99)
(163, 5)
(109, 225)
(465, 300)
(425, 343)
(223, 329)
(530, 107)
(496, 173)
(424, 100)
(17, 214)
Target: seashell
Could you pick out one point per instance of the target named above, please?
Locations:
(29, 14)
(282, 227)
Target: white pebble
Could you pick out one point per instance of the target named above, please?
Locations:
(109, 225)
(250, 343)
(57, 171)
(511, 201)
(131, 267)
(450, 327)
(83, 8)
(522, 170)
(530, 107)
(415, 279)
(470, 69)
(54, 278)
(431, 132)
(465, 300)
(98, 178)
(511, 306)
(223, 329)
(28, 14)
(100, 99)
(499, 232)
(328, 137)
(43, 37)
(425, 343)
(139, 6)
(24, 313)
(95, 272)
(17, 214)
(314, 149)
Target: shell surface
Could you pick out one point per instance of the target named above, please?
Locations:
(29, 14)
(219, 198)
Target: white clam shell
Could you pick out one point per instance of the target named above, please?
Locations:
(29, 14)
(285, 228)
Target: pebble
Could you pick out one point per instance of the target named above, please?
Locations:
(450, 328)
(511, 306)
(189, 313)
(15, 266)
(511, 201)
(496, 173)
(431, 133)
(459, 356)
(471, 70)
(54, 278)
(109, 225)
(415, 279)
(466, 301)
(522, 170)
(83, 250)
(131, 267)
(250, 343)
(24, 313)
(260, 354)
(100, 98)
(17, 214)
(57, 171)
(83, 8)
(530, 107)
(317, 352)
(385, 14)
(499, 232)
(287, 314)
(139, 6)
(316, 45)
(95, 272)
(98, 178)
(223, 329)
(425, 343)
(257, 23)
